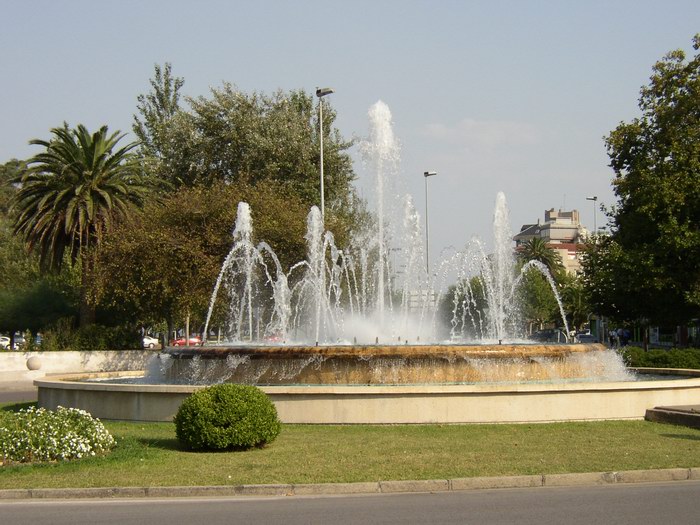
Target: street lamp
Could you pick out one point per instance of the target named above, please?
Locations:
(427, 244)
(320, 93)
(595, 225)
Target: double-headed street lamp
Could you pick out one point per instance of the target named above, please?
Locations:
(320, 93)
(427, 243)
(595, 225)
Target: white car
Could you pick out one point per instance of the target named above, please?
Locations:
(150, 342)
(4, 342)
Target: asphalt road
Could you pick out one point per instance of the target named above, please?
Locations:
(639, 504)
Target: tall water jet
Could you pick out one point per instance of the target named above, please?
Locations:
(382, 154)
(503, 264)
(238, 263)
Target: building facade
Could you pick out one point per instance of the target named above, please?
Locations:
(562, 231)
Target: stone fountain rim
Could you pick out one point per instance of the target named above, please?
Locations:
(81, 381)
(414, 351)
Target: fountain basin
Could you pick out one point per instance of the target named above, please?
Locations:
(402, 364)
(390, 404)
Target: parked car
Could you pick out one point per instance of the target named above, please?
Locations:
(4, 342)
(586, 338)
(150, 342)
(193, 341)
(551, 335)
(19, 341)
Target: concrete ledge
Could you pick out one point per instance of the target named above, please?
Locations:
(685, 416)
(265, 490)
(428, 485)
(88, 493)
(502, 482)
(311, 489)
(649, 476)
(386, 487)
(581, 479)
(15, 494)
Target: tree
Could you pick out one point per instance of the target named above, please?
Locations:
(650, 266)
(575, 300)
(536, 300)
(536, 249)
(236, 137)
(463, 309)
(72, 194)
(28, 300)
(163, 129)
(157, 110)
(162, 265)
(251, 138)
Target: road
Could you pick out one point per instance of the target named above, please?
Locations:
(639, 504)
(15, 395)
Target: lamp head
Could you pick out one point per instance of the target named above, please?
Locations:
(322, 92)
(429, 173)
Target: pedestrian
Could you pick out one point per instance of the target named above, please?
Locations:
(613, 338)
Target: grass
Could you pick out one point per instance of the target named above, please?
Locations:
(148, 454)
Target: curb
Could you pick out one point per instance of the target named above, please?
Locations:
(379, 487)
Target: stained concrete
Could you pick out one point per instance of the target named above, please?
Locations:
(686, 415)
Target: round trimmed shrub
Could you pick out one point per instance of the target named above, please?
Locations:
(227, 416)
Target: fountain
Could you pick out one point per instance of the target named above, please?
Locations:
(339, 338)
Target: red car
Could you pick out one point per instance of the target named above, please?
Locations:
(193, 341)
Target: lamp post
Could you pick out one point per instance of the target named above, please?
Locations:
(320, 93)
(427, 174)
(595, 225)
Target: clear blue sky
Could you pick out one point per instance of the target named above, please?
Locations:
(510, 96)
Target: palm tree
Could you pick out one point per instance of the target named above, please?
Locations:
(72, 193)
(536, 249)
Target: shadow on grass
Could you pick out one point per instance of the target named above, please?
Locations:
(682, 436)
(16, 407)
(164, 444)
(174, 445)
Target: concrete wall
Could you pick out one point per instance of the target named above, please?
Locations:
(336, 404)
(15, 366)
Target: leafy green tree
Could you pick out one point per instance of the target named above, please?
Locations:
(157, 109)
(164, 129)
(250, 138)
(28, 300)
(538, 305)
(650, 266)
(74, 192)
(9, 172)
(463, 309)
(575, 300)
(162, 265)
(236, 137)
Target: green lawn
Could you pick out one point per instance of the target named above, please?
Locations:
(148, 454)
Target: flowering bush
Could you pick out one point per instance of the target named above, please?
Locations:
(37, 434)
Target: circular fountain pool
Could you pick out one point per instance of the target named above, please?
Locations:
(408, 398)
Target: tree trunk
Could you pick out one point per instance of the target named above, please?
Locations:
(646, 338)
(171, 329)
(87, 308)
